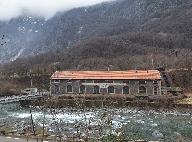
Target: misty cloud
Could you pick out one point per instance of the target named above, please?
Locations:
(46, 8)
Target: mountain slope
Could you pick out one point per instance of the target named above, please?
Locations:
(18, 34)
(165, 17)
(156, 23)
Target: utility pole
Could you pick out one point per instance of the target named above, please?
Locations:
(109, 67)
(31, 78)
(43, 126)
(78, 67)
(152, 61)
(32, 123)
(31, 82)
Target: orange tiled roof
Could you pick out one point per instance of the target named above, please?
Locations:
(115, 75)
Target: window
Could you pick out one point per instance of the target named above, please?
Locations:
(118, 81)
(103, 81)
(56, 81)
(96, 90)
(82, 81)
(97, 81)
(142, 90)
(82, 89)
(57, 89)
(142, 82)
(69, 89)
(69, 81)
(126, 81)
(155, 90)
(155, 82)
(89, 81)
(125, 90)
(111, 90)
(109, 81)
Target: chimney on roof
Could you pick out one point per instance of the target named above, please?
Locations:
(78, 67)
(147, 71)
(109, 67)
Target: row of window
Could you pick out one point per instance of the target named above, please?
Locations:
(96, 89)
(111, 90)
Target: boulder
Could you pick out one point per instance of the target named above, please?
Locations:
(178, 137)
(157, 134)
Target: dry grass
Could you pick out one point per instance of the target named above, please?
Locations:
(8, 88)
(189, 95)
(187, 100)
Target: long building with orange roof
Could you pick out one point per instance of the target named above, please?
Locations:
(132, 82)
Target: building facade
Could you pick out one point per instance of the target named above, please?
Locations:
(134, 82)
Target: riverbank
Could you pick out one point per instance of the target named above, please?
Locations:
(100, 101)
(17, 139)
(11, 86)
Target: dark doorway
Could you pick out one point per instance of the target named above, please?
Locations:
(96, 90)
(57, 89)
(111, 90)
(82, 89)
(69, 89)
(142, 90)
(125, 90)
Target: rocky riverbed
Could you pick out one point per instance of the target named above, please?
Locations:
(132, 123)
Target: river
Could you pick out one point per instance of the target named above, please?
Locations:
(134, 123)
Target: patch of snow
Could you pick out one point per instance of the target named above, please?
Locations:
(30, 30)
(154, 125)
(157, 134)
(80, 30)
(21, 29)
(36, 31)
(17, 56)
(69, 44)
(140, 121)
(163, 34)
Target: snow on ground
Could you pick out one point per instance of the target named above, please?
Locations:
(80, 30)
(17, 56)
(69, 44)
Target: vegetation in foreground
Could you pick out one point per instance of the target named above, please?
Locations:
(105, 124)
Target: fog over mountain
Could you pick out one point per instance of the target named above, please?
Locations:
(25, 24)
(42, 8)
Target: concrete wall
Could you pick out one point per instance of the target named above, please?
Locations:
(60, 86)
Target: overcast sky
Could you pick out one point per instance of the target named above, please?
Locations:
(47, 8)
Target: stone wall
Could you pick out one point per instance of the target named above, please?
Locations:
(60, 86)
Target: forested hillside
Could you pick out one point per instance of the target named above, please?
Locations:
(124, 34)
(168, 20)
